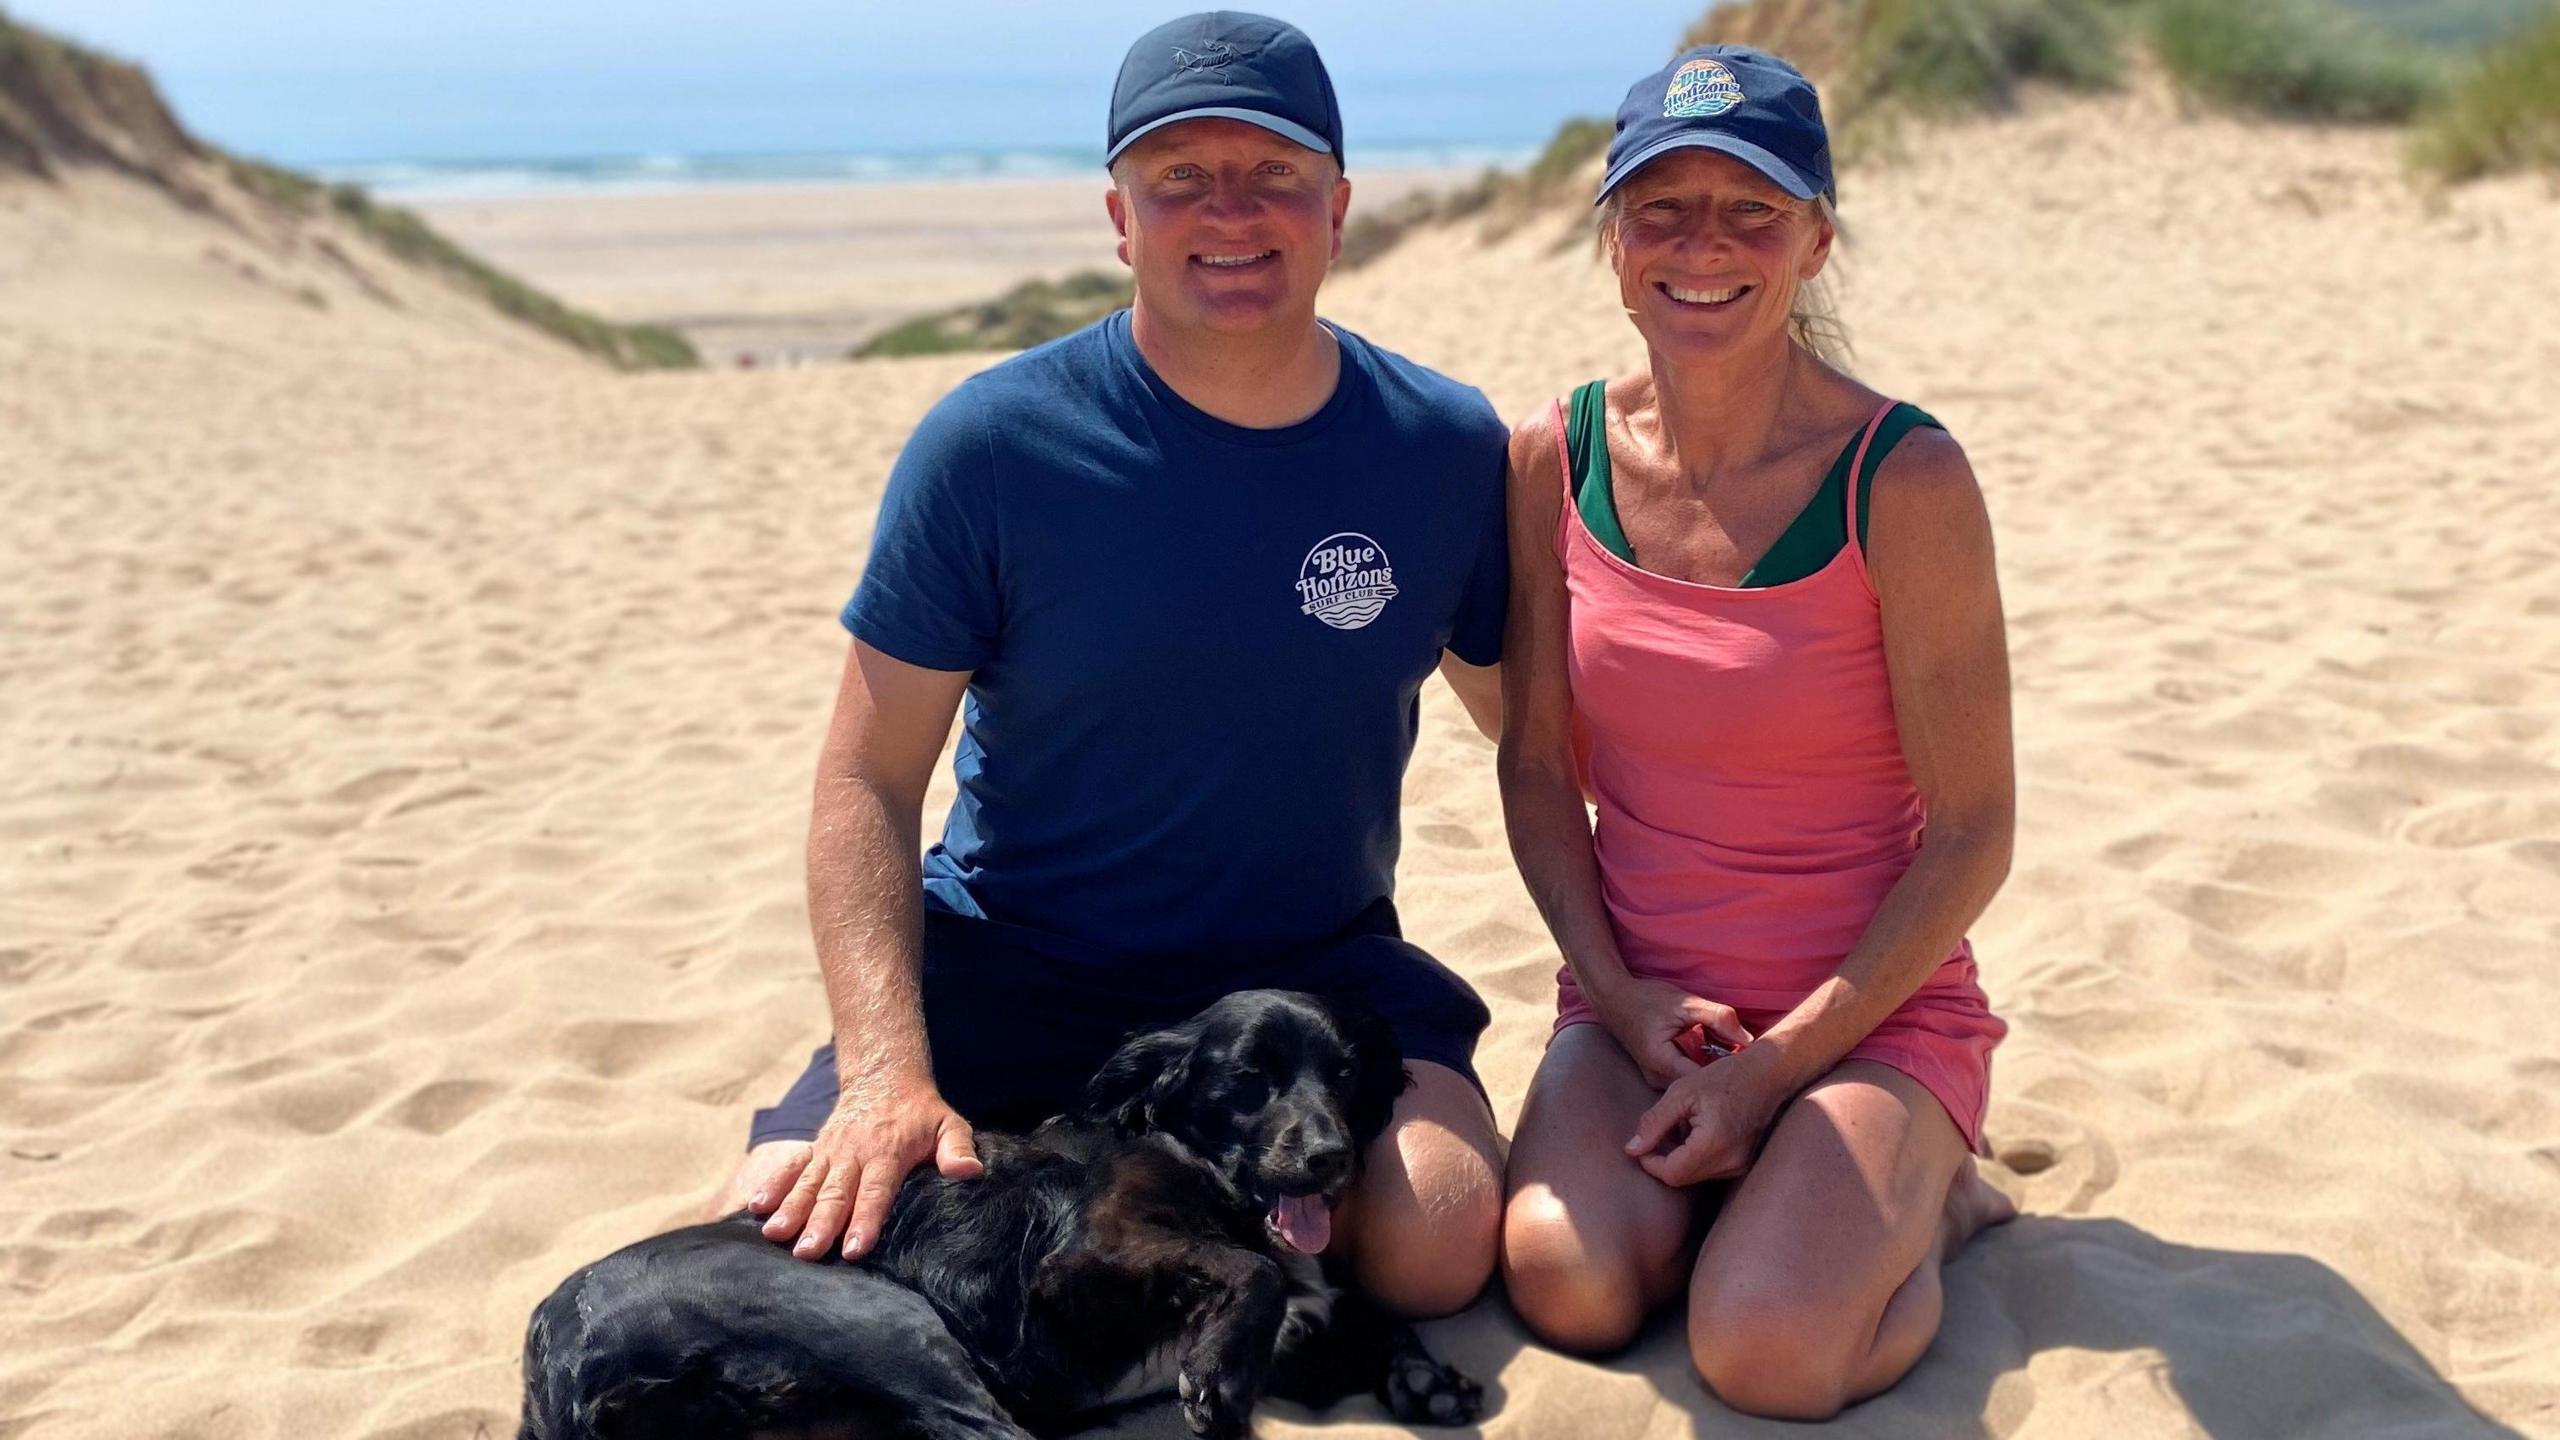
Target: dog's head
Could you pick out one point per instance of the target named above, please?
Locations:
(1278, 1091)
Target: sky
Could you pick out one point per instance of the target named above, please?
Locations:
(309, 82)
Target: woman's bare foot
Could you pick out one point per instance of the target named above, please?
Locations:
(1972, 1203)
(761, 1165)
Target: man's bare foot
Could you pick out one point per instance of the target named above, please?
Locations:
(1972, 1203)
(762, 1163)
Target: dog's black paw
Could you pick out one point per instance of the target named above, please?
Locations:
(1214, 1410)
(1421, 1391)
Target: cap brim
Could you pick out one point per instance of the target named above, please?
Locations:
(1787, 177)
(1289, 130)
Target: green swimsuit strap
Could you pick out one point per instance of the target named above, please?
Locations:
(1809, 543)
(1820, 531)
(1586, 441)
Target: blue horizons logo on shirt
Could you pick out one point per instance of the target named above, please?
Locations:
(1701, 87)
(1346, 580)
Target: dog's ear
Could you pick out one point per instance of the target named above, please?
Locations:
(1380, 1077)
(1140, 1076)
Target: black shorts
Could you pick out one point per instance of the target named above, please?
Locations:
(1019, 1019)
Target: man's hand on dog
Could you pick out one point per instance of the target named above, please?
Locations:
(845, 1182)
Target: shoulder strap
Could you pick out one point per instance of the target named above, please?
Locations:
(1587, 481)
(1885, 431)
(1585, 422)
(1564, 449)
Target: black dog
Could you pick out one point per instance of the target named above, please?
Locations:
(1160, 1239)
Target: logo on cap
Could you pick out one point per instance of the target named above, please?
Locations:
(1216, 55)
(1701, 87)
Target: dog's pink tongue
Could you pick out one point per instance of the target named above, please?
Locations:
(1305, 1223)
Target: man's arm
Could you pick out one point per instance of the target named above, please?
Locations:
(1479, 688)
(865, 913)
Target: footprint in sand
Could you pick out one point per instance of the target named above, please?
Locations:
(611, 1049)
(2066, 1165)
(2491, 821)
(320, 1104)
(435, 1108)
(339, 1344)
(372, 785)
(449, 796)
(83, 1225)
(2028, 1157)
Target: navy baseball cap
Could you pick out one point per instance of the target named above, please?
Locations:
(1747, 103)
(1225, 64)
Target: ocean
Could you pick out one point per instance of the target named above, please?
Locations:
(414, 136)
(491, 177)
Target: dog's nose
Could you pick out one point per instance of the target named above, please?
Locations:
(1329, 1164)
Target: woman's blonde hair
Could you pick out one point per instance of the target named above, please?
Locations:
(1814, 322)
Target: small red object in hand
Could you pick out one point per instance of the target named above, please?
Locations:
(1700, 1047)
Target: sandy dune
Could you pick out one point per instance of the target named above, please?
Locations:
(408, 730)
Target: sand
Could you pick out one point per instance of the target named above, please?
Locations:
(787, 273)
(408, 730)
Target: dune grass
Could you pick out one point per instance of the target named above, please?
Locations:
(60, 98)
(2452, 24)
(632, 347)
(1032, 313)
(288, 190)
(1576, 143)
(2293, 59)
(1969, 55)
(1874, 58)
(2503, 116)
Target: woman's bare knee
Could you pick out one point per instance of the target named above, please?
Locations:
(1765, 1363)
(1578, 1292)
(1764, 1350)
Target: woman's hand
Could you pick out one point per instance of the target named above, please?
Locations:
(1717, 1113)
(1647, 1016)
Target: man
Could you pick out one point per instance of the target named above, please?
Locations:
(1188, 570)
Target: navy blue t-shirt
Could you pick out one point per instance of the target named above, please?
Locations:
(1196, 648)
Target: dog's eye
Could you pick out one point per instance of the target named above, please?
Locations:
(1248, 1092)
(1346, 1072)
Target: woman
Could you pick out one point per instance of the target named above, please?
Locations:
(1755, 621)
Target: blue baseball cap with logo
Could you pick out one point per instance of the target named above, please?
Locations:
(1224, 64)
(1747, 103)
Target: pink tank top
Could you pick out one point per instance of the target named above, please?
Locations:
(1740, 749)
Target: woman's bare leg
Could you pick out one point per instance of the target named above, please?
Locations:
(1818, 1284)
(1590, 1243)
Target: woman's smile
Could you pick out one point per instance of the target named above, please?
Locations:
(1703, 299)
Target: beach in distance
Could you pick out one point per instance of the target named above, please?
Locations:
(407, 723)
(776, 273)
